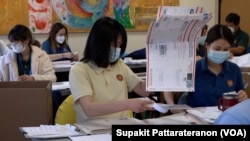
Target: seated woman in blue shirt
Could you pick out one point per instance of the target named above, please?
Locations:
(214, 74)
(56, 45)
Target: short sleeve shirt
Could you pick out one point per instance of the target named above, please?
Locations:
(47, 47)
(103, 84)
(209, 87)
(241, 39)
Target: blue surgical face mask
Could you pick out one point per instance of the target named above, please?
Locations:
(114, 54)
(218, 57)
(201, 40)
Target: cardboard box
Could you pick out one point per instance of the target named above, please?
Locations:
(26, 103)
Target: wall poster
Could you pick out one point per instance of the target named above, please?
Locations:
(78, 15)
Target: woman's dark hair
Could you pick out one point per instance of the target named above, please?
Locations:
(219, 32)
(104, 32)
(20, 33)
(36, 43)
(52, 35)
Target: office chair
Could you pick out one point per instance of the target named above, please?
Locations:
(66, 113)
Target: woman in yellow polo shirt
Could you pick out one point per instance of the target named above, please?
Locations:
(101, 81)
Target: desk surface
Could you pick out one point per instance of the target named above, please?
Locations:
(60, 85)
(63, 66)
(56, 139)
(176, 119)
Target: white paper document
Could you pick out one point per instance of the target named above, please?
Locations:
(192, 116)
(171, 51)
(60, 85)
(97, 126)
(163, 108)
(241, 61)
(63, 64)
(98, 137)
(176, 119)
(50, 131)
(208, 115)
(178, 10)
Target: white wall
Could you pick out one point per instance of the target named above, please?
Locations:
(136, 40)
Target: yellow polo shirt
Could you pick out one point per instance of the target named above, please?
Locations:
(103, 84)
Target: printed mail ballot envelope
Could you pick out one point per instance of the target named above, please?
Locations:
(171, 51)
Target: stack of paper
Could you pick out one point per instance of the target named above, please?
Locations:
(176, 119)
(163, 108)
(98, 137)
(98, 126)
(208, 115)
(197, 116)
(50, 131)
(60, 85)
(63, 64)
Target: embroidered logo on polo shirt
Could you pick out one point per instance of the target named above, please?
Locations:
(230, 83)
(119, 77)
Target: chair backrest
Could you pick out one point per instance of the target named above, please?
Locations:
(66, 113)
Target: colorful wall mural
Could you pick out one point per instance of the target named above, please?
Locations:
(78, 15)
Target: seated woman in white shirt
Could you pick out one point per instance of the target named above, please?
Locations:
(25, 62)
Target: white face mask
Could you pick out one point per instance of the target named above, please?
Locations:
(114, 54)
(60, 39)
(231, 28)
(17, 47)
(201, 40)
